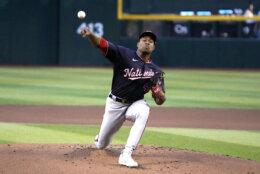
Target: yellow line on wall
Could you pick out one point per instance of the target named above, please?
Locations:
(172, 17)
(119, 9)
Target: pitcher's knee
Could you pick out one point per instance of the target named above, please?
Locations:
(99, 146)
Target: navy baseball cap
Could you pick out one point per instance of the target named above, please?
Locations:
(148, 33)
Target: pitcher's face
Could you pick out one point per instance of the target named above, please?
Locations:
(146, 44)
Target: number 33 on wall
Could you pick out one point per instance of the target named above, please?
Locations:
(97, 28)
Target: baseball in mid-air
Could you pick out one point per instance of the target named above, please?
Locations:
(81, 14)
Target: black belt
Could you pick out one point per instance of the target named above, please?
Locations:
(120, 99)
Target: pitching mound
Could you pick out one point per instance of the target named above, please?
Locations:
(53, 158)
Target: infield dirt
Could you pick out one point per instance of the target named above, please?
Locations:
(71, 158)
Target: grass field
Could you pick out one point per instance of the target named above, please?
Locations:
(90, 86)
(244, 144)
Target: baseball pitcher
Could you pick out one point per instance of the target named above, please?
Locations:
(134, 75)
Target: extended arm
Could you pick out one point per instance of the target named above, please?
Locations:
(93, 39)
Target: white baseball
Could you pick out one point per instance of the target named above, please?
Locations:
(81, 14)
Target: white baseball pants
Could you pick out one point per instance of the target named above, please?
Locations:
(115, 115)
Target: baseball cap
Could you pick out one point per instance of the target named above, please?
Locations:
(148, 33)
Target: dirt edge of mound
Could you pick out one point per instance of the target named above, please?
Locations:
(72, 158)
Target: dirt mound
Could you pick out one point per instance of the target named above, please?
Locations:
(61, 158)
(66, 158)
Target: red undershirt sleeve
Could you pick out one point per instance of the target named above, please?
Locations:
(103, 46)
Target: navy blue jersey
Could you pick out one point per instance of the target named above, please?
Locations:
(131, 73)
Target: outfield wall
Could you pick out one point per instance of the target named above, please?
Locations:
(163, 6)
(44, 32)
(203, 53)
(28, 32)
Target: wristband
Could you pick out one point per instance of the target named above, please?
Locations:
(156, 90)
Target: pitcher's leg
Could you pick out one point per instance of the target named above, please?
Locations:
(112, 121)
(138, 112)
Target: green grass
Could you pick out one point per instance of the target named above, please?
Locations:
(90, 86)
(243, 144)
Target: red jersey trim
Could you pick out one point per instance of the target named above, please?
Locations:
(103, 46)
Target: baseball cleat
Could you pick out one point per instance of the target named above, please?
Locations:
(127, 160)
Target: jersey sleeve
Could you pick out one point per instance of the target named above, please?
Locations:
(114, 53)
(103, 46)
(109, 50)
